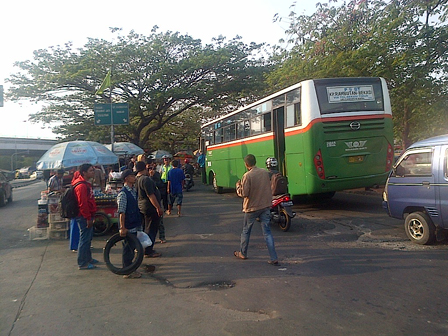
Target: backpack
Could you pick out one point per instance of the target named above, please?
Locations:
(279, 184)
(68, 205)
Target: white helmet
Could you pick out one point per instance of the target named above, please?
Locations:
(271, 162)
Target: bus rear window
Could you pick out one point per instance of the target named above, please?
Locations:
(349, 95)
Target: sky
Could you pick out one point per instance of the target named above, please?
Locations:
(30, 25)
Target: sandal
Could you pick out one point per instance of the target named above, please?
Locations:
(133, 275)
(87, 267)
(162, 241)
(239, 255)
(94, 261)
(273, 262)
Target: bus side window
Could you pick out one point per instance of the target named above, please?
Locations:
(255, 125)
(267, 122)
(218, 136)
(297, 114)
(229, 133)
(293, 115)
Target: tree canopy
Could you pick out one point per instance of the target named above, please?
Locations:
(404, 41)
(161, 76)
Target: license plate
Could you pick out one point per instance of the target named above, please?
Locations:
(353, 159)
(289, 203)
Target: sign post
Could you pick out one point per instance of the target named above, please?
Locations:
(1, 95)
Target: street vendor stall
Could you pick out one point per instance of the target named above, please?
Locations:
(67, 155)
(106, 203)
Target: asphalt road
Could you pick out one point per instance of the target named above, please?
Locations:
(346, 269)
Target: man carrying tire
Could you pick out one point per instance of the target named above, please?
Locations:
(130, 219)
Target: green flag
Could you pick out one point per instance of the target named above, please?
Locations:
(105, 85)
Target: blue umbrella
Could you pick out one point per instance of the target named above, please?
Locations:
(74, 153)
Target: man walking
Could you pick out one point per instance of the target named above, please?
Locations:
(149, 205)
(176, 180)
(84, 219)
(201, 164)
(255, 188)
(130, 218)
(164, 169)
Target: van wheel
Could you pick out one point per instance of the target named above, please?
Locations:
(419, 228)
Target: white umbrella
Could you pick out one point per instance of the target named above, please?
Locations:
(126, 148)
(75, 153)
(159, 153)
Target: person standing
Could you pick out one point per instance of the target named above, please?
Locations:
(84, 219)
(149, 205)
(164, 169)
(176, 180)
(99, 179)
(55, 183)
(255, 188)
(155, 176)
(130, 218)
(201, 164)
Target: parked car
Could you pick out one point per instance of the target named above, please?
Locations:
(37, 175)
(417, 190)
(5, 189)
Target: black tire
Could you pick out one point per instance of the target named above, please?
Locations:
(10, 198)
(419, 228)
(216, 188)
(285, 220)
(101, 224)
(2, 199)
(135, 264)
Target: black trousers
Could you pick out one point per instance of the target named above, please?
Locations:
(151, 223)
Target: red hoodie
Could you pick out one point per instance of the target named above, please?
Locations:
(84, 195)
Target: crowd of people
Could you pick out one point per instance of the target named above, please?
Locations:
(150, 190)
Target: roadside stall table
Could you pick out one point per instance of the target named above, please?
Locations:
(107, 211)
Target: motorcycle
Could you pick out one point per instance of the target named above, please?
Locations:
(281, 211)
(188, 182)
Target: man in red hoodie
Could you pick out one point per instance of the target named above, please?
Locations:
(87, 209)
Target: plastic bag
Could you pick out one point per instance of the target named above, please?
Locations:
(144, 239)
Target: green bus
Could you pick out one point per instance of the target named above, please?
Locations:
(327, 135)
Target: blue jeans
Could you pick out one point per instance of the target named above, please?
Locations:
(249, 220)
(85, 240)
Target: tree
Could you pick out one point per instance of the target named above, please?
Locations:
(404, 41)
(182, 133)
(161, 76)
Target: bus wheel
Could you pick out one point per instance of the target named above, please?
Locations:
(101, 224)
(215, 186)
(419, 228)
(284, 220)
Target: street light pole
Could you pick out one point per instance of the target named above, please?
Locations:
(12, 158)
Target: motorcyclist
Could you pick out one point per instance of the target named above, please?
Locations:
(188, 168)
(272, 166)
(279, 183)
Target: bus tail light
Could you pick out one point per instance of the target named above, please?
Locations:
(389, 157)
(319, 165)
